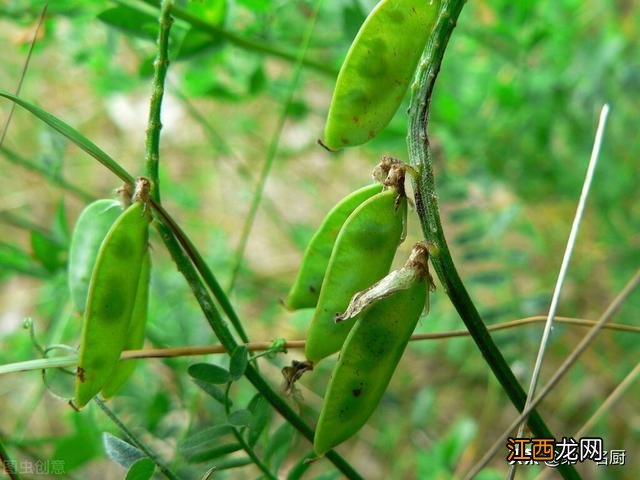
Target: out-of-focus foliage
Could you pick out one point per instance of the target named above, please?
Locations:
(512, 122)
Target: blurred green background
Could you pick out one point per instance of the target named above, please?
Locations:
(512, 122)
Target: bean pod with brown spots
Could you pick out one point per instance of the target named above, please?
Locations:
(372, 350)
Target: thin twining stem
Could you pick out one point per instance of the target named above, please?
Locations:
(23, 73)
(190, 351)
(134, 439)
(154, 125)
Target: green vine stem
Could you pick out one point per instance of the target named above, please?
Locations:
(223, 334)
(260, 47)
(264, 347)
(154, 125)
(245, 446)
(134, 440)
(427, 208)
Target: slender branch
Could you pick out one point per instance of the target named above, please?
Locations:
(427, 209)
(611, 310)
(252, 454)
(8, 465)
(223, 334)
(23, 73)
(300, 344)
(192, 351)
(256, 46)
(154, 125)
(273, 149)
(134, 439)
(245, 446)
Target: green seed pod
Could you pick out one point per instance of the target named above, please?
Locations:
(306, 289)
(377, 70)
(372, 351)
(110, 302)
(92, 226)
(362, 254)
(135, 335)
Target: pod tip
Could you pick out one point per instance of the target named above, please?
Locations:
(325, 146)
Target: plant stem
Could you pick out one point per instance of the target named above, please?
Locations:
(245, 446)
(223, 334)
(23, 73)
(153, 142)
(194, 350)
(256, 46)
(154, 125)
(134, 440)
(16, 159)
(427, 209)
(273, 149)
(8, 465)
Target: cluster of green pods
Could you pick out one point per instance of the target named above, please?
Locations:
(362, 254)
(361, 310)
(306, 289)
(353, 248)
(386, 315)
(377, 70)
(115, 303)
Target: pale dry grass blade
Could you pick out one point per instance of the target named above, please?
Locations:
(23, 73)
(564, 368)
(573, 234)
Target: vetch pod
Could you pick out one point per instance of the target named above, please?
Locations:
(92, 226)
(377, 70)
(362, 255)
(306, 289)
(372, 349)
(112, 295)
(135, 335)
